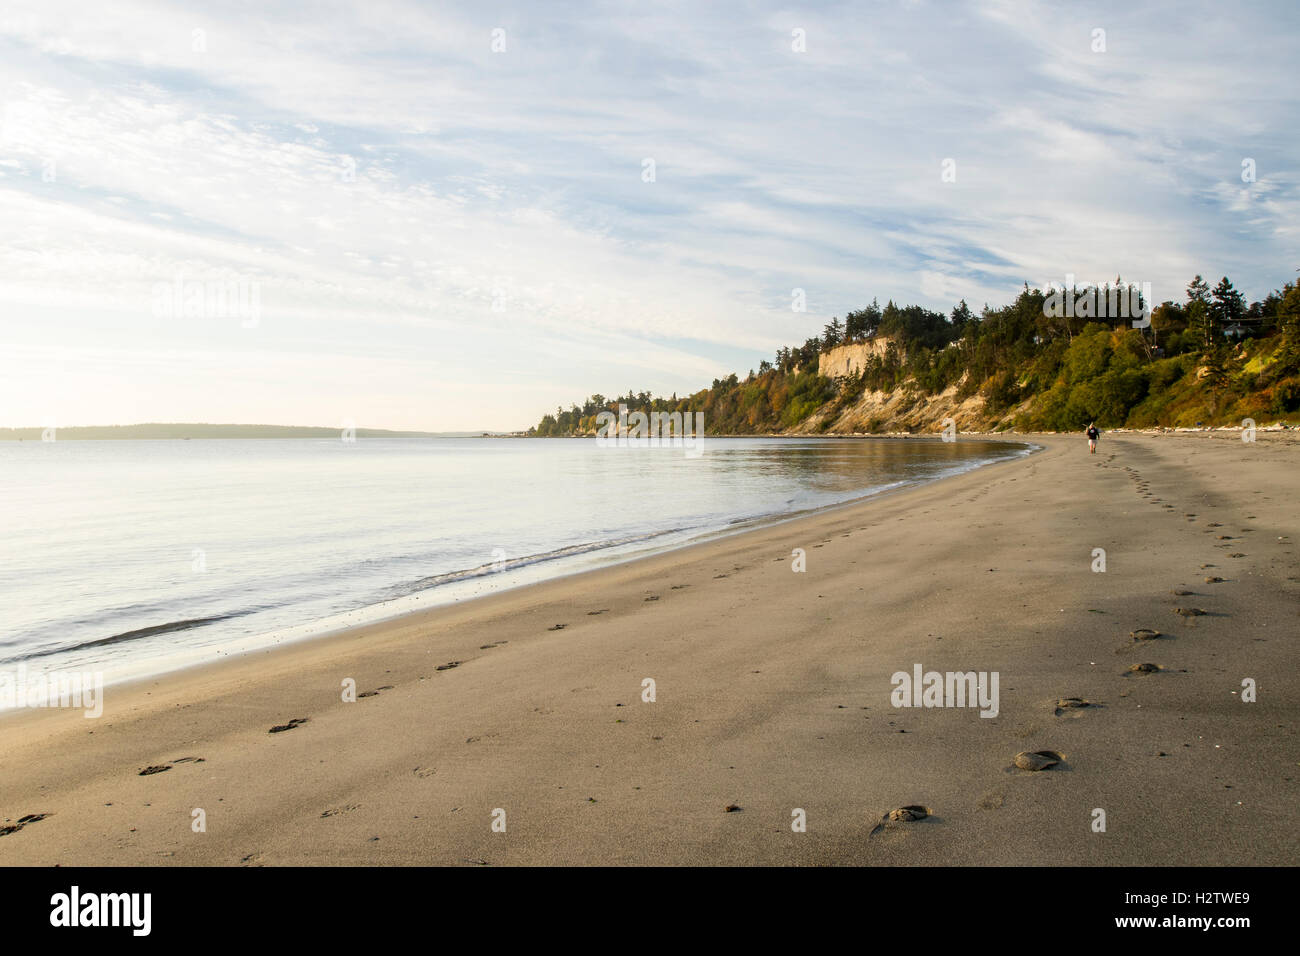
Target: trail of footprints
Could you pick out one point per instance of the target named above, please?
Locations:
(647, 599)
(292, 724)
(1038, 761)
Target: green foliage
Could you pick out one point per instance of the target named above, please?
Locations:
(1088, 354)
(1001, 392)
(807, 393)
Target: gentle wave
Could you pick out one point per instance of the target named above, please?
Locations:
(514, 564)
(135, 635)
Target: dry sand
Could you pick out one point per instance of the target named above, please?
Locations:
(773, 693)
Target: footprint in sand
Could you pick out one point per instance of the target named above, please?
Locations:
(1145, 634)
(1036, 760)
(1181, 592)
(281, 728)
(653, 597)
(908, 814)
(339, 810)
(1141, 670)
(1190, 612)
(488, 647)
(557, 627)
(450, 664)
(1073, 706)
(424, 771)
(603, 610)
(149, 771)
(22, 822)
(678, 587)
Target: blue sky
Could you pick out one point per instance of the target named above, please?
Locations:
(443, 236)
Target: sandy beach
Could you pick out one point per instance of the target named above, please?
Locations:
(772, 693)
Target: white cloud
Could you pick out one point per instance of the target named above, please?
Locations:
(386, 179)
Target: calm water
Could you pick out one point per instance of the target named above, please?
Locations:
(137, 556)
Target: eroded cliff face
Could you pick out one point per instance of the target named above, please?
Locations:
(901, 410)
(904, 409)
(846, 360)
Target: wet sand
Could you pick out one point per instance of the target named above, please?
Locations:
(772, 694)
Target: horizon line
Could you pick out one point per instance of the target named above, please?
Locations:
(38, 429)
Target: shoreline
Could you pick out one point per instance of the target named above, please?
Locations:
(773, 693)
(461, 592)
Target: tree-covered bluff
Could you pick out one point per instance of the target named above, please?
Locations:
(1211, 359)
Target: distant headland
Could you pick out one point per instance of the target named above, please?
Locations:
(183, 430)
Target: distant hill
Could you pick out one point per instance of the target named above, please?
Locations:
(182, 430)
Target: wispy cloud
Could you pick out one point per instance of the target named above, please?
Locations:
(448, 236)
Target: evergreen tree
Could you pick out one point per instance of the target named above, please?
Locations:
(1288, 310)
(961, 314)
(1203, 323)
(862, 324)
(1198, 291)
(1229, 304)
(1214, 372)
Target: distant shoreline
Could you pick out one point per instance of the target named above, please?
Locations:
(188, 430)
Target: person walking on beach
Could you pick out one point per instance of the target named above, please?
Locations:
(1092, 438)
